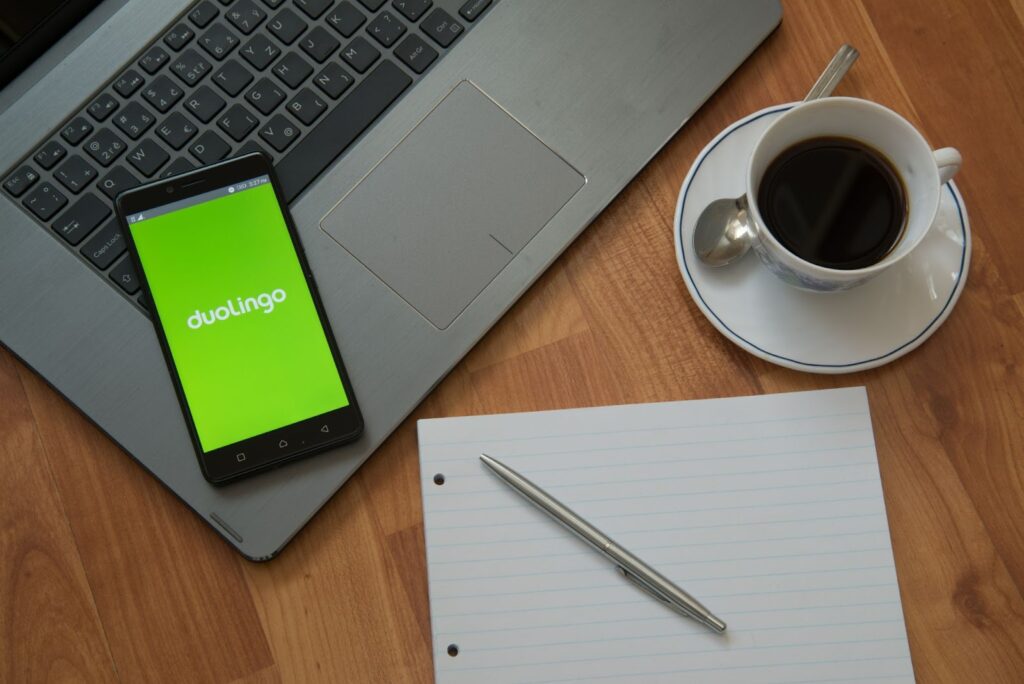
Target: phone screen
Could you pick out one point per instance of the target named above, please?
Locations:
(237, 313)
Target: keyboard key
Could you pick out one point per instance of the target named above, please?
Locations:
(76, 130)
(134, 120)
(372, 5)
(319, 44)
(412, 9)
(473, 9)
(75, 173)
(153, 60)
(333, 80)
(204, 104)
(20, 181)
(346, 19)
(102, 107)
(232, 77)
(306, 106)
(287, 26)
(218, 41)
(51, 153)
(340, 127)
(116, 180)
(45, 201)
(360, 54)
(162, 93)
(272, 4)
(415, 53)
(179, 165)
(209, 148)
(179, 36)
(260, 51)
(237, 122)
(125, 276)
(313, 8)
(147, 157)
(105, 146)
(292, 69)
(106, 245)
(279, 132)
(176, 130)
(265, 95)
(440, 26)
(81, 219)
(203, 14)
(245, 16)
(128, 83)
(386, 28)
(190, 67)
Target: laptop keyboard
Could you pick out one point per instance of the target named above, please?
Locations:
(299, 80)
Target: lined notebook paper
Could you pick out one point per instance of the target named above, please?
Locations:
(768, 509)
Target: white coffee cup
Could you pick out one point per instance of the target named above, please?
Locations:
(922, 170)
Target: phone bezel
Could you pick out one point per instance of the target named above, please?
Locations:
(264, 451)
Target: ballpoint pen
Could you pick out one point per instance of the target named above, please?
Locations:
(631, 567)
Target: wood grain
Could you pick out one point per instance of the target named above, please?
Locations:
(106, 576)
(49, 627)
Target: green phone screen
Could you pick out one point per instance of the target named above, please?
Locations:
(240, 322)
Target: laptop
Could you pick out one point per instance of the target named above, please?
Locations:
(437, 156)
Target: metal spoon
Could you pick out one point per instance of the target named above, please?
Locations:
(724, 233)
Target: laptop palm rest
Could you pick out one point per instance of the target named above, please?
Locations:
(452, 204)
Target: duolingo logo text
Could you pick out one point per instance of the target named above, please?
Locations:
(238, 306)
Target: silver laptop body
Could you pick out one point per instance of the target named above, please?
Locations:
(421, 235)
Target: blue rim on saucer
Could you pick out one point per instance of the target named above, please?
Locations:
(745, 334)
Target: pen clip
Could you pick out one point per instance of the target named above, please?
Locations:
(646, 587)
(639, 581)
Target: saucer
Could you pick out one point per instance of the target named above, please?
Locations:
(837, 332)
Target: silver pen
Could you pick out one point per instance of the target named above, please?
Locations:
(631, 567)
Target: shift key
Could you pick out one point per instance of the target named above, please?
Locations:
(124, 275)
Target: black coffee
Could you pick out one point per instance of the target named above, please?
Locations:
(835, 202)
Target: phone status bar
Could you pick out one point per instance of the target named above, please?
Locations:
(207, 196)
(251, 183)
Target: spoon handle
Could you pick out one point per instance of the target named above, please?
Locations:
(833, 73)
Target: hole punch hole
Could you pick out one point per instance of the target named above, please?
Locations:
(453, 650)
(439, 480)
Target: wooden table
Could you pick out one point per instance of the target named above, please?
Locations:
(106, 576)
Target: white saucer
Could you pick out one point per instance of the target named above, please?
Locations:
(840, 332)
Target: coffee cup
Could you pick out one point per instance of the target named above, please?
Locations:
(921, 173)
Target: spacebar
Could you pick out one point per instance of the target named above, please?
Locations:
(339, 128)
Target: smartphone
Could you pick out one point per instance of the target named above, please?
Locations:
(236, 310)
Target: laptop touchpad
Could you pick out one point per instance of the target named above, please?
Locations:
(441, 215)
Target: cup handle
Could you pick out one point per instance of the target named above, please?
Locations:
(948, 160)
